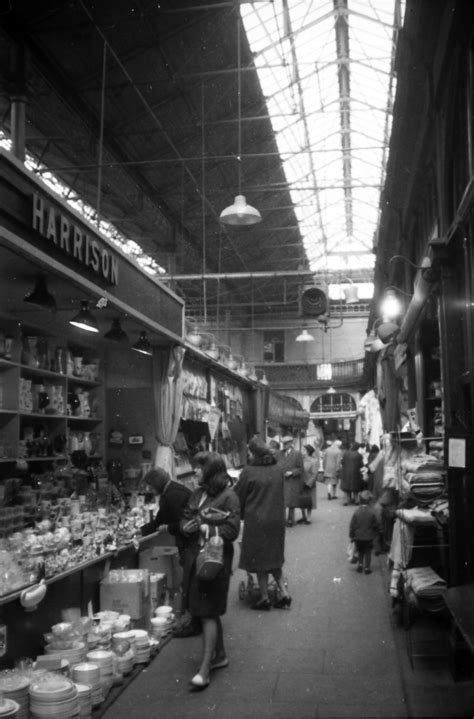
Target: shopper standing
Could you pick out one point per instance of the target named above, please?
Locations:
(262, 501)
(332, 466)
(311, 467)
(351, 474)
(208, 599)
(291, 460)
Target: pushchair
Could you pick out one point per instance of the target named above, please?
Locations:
(249, 591)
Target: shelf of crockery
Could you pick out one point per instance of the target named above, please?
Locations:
(79, 567)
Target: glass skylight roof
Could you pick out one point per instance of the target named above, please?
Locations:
(326, 70)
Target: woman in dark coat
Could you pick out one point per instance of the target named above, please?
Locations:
(213, 509)
(351, 476)
(261, 493)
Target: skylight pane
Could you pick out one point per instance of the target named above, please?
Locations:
(339, 156)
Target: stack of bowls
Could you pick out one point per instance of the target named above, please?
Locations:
(8, 708)
(129, 637)
(88, 674)
(160, 626)
(104, 659)
(142, 646)
(53, 695)
(74, 655)
(84, 693)
(14, 686)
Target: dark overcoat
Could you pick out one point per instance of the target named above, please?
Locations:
(292, 462)
(261, 493)
(351, 477)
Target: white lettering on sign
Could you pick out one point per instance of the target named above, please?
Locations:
(73, 240)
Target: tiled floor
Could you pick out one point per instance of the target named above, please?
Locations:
(338, 652)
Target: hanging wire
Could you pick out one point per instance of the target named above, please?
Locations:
(239, 110)
(203, 206)
(101, 134)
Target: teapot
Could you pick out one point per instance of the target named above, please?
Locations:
(32, 596)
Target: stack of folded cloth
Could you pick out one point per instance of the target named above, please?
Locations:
(426, 478)
(428, 587)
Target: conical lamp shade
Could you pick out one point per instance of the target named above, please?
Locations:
(143, 345)
(116, 333)
(240, 213)
(305, 337)
(351, 294)
(40, 296)
(84, 319)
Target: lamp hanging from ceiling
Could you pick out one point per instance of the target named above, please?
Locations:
(239, 213)
(40, 295)
(143, 345)
(116, 333)
(305, 336)
(84, 319)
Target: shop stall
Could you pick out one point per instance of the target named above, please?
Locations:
(80, 326)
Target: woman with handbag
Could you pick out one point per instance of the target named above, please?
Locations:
(213, 511)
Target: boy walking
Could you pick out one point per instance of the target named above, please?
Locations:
(363, 529)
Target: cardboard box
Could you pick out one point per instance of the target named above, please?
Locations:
(125, 597)
(162, 560)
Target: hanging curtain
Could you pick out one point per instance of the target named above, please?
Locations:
(168, 394)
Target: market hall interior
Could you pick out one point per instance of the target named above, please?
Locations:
(339, 651)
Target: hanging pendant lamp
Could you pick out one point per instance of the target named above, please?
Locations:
(239, 214)
(116, 333)
(84, 319)
(40, 296)
(143, 345)
(305, 337)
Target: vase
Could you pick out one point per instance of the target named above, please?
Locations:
(87, 444)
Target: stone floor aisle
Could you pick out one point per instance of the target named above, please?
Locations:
(338, 652)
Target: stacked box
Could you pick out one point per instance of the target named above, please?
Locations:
(163, 560)
(126, 597)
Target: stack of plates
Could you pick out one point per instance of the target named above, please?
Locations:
(130, 637)
(89, 675)
(9, 708)
(15, 687)
(75, 655)
(125, 663)
(84, 693)
(53, 695)
(142, 646)
(104, 659)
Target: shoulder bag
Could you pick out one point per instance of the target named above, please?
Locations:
(210, 559)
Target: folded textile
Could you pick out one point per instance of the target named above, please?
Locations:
(425, 582)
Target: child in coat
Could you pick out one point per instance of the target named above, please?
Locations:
(363, 529)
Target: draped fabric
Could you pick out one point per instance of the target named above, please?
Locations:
(168, 395)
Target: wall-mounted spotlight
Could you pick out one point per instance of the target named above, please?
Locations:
(143, 345)
(116, 333)
(390, 307)
(84, 319)
(40, 295)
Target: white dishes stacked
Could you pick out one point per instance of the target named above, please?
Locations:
(84, 694)
(53, 695)
(129, 637)
(15, 687)
(88, 674)
(160, 626)
(104, 659)
(8, 708)
(74, 655)
(142, 646)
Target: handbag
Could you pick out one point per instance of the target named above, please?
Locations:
(310, 481)
(210, 559)
(352, 554)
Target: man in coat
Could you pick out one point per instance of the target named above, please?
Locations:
(332, 465)
(291, 461)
